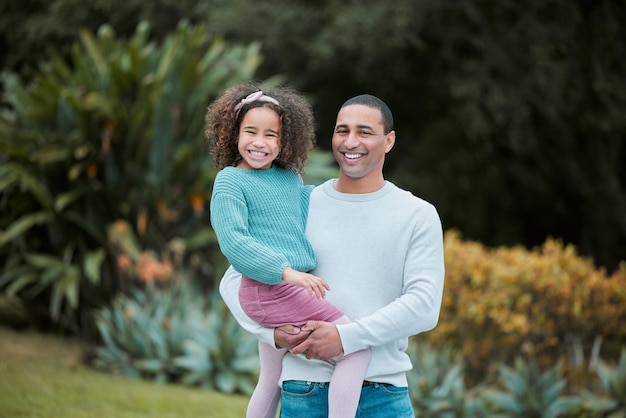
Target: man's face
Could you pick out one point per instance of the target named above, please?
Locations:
(360, 144)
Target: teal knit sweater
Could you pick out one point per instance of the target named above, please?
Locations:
(259, 217)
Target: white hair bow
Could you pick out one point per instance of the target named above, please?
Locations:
(253, 97)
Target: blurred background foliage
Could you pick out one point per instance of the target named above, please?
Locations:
(545, 304)
(510, 118)
(113, 134)
(104, 178)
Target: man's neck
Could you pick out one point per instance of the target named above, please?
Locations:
(345, 184)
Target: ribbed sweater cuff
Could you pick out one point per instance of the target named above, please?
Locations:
(348, 333)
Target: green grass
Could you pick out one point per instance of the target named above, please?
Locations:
(42, 376)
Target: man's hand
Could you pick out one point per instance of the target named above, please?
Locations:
(288, 336)
(323, 342)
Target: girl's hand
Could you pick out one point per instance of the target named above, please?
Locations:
(313, 284)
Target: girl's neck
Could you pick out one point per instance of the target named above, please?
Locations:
(244, 166)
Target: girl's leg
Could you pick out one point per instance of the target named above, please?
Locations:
(264, 400)
(347, 381)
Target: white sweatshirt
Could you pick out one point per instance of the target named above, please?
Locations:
(382, 255)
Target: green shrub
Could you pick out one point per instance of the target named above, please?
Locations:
(117, 133)
(437, 385)
(168, 334)
(528, 392)
(609, 399)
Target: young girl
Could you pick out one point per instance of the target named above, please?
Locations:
(260, 140)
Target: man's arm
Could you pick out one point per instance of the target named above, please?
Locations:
(287, 336)
(229, 290)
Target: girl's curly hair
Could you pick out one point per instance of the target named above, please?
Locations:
(297, 135)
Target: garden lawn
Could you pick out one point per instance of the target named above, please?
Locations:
(42, 376)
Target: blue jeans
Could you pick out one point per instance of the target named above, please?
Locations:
(302, 399)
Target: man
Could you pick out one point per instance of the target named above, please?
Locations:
(381, 251)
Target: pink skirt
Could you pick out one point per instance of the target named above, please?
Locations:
(283, 304)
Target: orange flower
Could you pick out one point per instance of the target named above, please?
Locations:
(92, 170)
(124, 262)
(151, 270)
(166, 213)
(197, 203)
(142, 222)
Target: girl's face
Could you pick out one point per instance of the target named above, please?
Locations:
(259, 139)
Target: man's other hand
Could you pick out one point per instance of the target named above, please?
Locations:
(289, 336)
(323, 342)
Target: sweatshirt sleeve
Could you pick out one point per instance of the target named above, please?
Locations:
(229, 219)
(229, 290)
(417, 309)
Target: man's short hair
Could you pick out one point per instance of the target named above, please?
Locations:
(373, 101)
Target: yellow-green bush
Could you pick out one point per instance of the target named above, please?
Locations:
(545, 303)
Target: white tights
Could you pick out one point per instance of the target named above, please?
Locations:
(343, 392)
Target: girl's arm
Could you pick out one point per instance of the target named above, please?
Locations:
(229, 219)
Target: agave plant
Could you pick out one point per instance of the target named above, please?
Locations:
(528, 392)
(438, 386)
(224, 359)
(143, 333)
(168, 334)
(611, 403)
(117, 133)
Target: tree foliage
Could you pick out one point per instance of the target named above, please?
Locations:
(117, 134)
(509, 115)
(539, 84)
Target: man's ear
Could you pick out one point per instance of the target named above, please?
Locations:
(391, 140)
